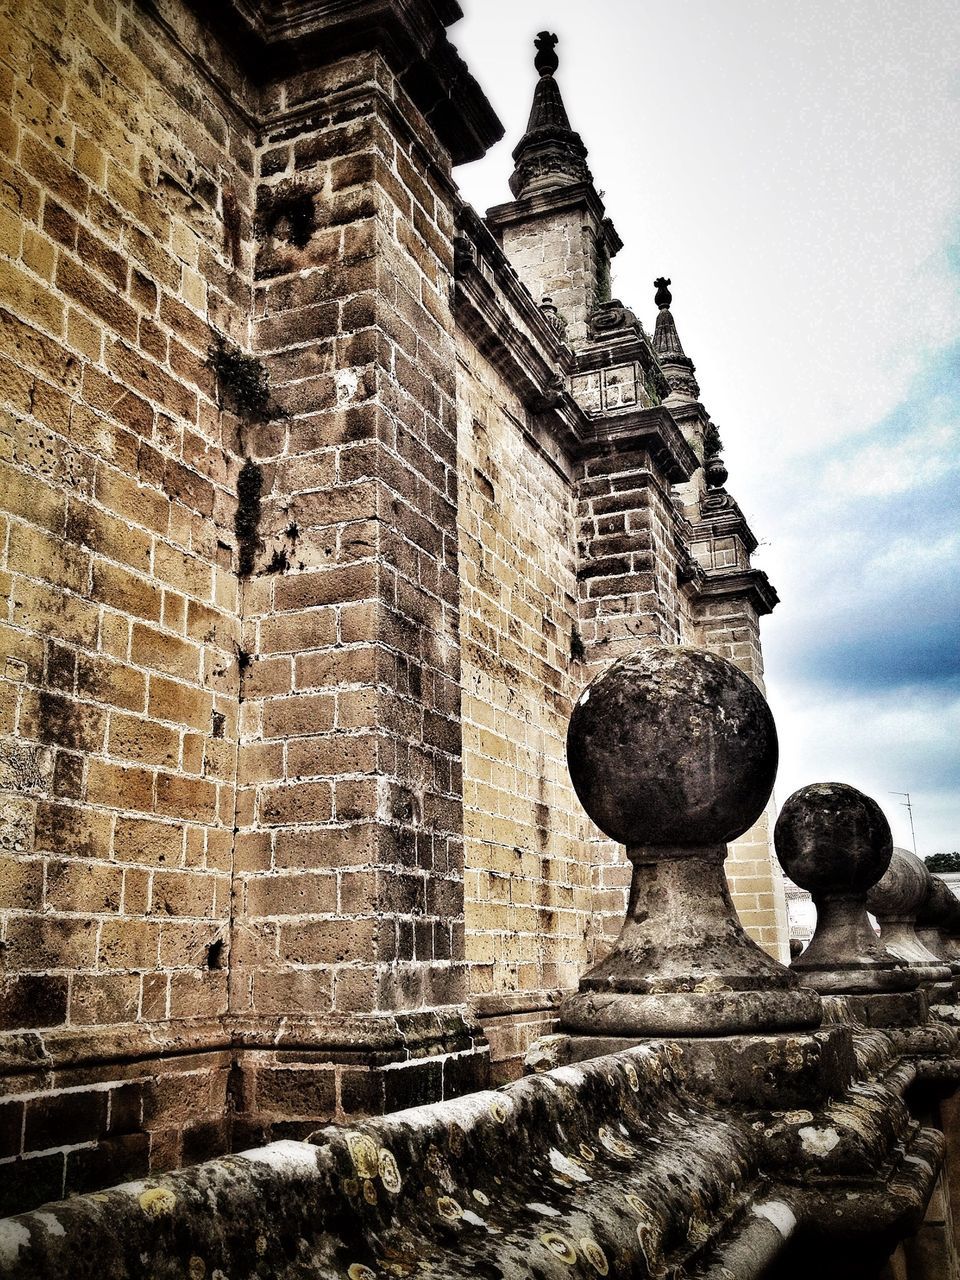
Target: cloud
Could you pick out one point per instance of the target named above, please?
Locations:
(899, 740)
(863, 655)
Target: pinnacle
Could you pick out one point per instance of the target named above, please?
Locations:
(550, 155)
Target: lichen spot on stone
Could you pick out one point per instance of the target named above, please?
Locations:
(448, 1208)
(14, 1236)
(499, 1111)
(389, 1173)
(158, 1202)
(196, 1268)
(559, 1246)
(369, 1192)
(633, 1080)
(567, 1168)
(480, 1197)
(357, 1271)
(365, 1155)
(594, 1255)
(613, 1144)
(587, 1153)
(637, 1205)
(797, 1117)
(547, 1210)
(260, 1244)
(648, 1247)
(818, 1142)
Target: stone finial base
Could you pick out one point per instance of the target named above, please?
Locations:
(683, 964)
(688, 1013)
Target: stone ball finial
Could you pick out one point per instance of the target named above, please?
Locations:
(673, 752)
(831, 838)
(896, 900)
(663, 297)
(834, 841)
(938, 921)
(672, 746)
(903, 888)
(546, 60)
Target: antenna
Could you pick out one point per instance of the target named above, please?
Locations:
(909, 808)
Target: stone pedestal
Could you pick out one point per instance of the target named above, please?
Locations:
(895, 900)
(673, 752)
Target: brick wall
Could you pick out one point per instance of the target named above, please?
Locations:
(350, 860)
(298, 588)
(127, 190)
(528, 881)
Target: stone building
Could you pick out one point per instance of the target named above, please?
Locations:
(324, 497)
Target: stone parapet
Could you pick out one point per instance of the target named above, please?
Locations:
(623, 1164)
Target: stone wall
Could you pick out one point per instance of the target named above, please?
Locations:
(306, 551)
(125, 234)
(529, 898)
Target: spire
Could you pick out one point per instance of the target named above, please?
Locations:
(677, 365)
(550, 154)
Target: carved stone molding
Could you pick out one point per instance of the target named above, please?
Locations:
(278, 38)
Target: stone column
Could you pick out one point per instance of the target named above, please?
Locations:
(349, 951)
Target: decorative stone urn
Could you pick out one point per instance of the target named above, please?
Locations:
(835, 842)
(673, 752)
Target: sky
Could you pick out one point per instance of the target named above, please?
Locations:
(793, 167)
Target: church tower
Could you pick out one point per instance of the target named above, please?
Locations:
(555, 231)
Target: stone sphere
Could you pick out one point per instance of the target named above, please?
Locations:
(831, 838)
(940, 908)
(902, 889)
(672, 746)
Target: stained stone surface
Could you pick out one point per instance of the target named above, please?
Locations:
(673, 751)
(622, 1166)
(672, 746)
(606, 1168)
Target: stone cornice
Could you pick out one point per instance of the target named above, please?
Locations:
(652, 430)
(277, 38)
(576, 195)
(492, 305)
(751, 584)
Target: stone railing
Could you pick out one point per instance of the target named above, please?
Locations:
(703, 1112)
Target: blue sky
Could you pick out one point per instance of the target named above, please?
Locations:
(793, 167)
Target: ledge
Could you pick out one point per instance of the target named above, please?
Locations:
(576, 195)
(497, 312)
(751, 584)
(337, 1037)
(651, 429)
(613, 1165)
(277, 38)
